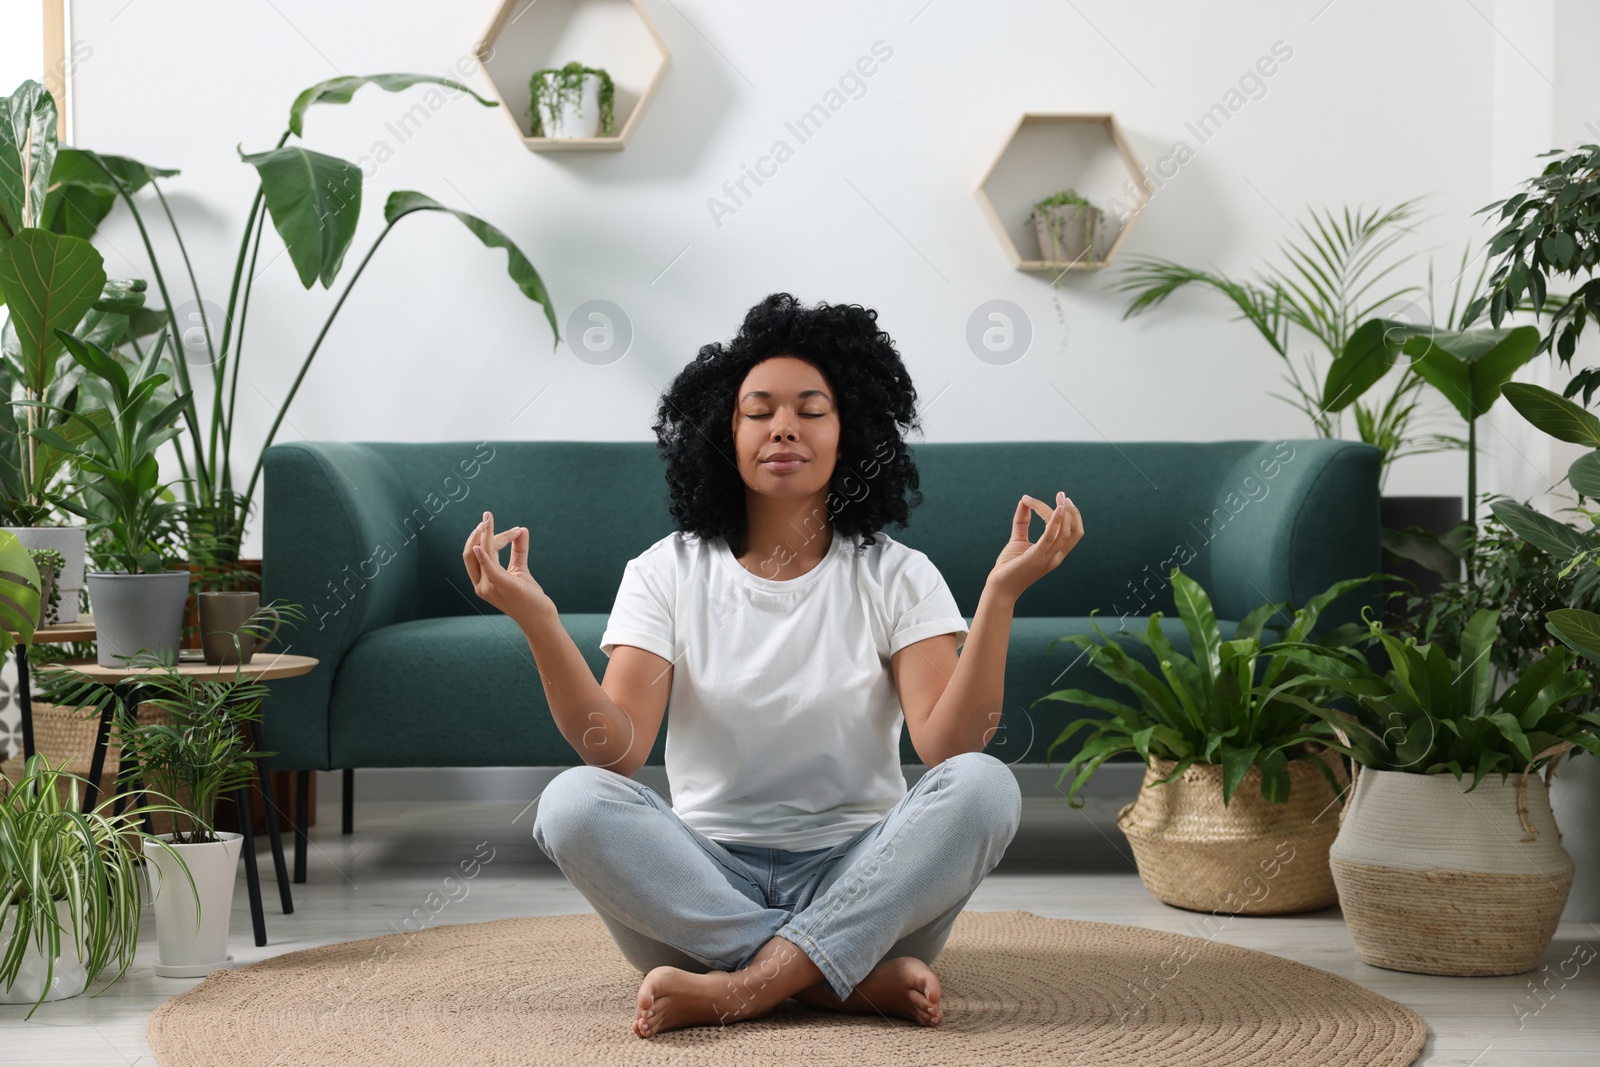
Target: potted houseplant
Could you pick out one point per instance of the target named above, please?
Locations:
(200, 754)
(572, 101)
(313, 202)
(1436, 876)
(70, 886)
(50, 564)
(1233, 811)
(140, 604)
(50, 278)
(1067, 226)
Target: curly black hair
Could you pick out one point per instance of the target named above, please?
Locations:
(873, 394)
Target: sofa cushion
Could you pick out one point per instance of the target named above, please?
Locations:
(469, 684)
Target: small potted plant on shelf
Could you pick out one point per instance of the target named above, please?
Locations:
(140, 605)
(70, 886)
(1067, 226)
(1434, 876)
(201, 754)
(1235, 811)
(572, 101)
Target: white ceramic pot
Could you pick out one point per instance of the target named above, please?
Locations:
(70, 977)
(573, 114)
(71, 542)
(1437, 880)
(1070, 233)
(137, 611)
(182, 951)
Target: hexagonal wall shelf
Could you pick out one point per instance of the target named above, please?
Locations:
(531, 35)
(1046, 153)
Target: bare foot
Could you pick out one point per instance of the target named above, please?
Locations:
(904, 986)
(671, 998)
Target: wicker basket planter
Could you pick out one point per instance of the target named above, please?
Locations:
(1436, 880)
(63, 733)
(1250, 857)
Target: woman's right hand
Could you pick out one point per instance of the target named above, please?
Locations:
(511, 589)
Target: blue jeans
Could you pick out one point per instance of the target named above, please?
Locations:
(669, 895)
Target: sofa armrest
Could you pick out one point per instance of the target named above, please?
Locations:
(328, 513)
(1300, 515)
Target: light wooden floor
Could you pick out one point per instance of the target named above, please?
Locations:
(1062, 864)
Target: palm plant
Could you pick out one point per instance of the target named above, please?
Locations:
(1209, 707)
(1327, 290)
(204, 752)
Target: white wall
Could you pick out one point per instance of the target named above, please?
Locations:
(1379, 102)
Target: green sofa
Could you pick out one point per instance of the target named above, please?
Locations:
(417, 671)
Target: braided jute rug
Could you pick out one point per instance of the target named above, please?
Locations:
(1017, 989)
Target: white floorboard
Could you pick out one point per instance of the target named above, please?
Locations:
(1063, 864)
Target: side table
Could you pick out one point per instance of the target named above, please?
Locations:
(263, 666)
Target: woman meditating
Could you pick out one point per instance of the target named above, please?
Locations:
(791, 637)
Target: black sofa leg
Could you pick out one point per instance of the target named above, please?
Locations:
(349, 813)
(302, 805)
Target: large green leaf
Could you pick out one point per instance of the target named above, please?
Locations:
(314, 200)
(27, 154)
(339, 91)
(1475, 683)
(1584, 474)
(403, 202)
(1554, 414)
(19, 592)
(1367, 356)
(50, 281)
(1578, 629)
(1471, 366)
(1540, 530)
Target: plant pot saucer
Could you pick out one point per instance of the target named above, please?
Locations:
(191, 970)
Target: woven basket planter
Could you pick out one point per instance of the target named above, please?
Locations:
(63, 733)
(1436, 880)
(1250, 857)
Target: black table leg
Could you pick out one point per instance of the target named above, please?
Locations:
(269, 803)
(348, 815)
(252, 877)
(25, 701)
(302, 805)
(97, 763)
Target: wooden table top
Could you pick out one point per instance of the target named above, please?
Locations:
(263, 666)
(80, 630)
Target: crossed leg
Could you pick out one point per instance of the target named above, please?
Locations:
(837, 953)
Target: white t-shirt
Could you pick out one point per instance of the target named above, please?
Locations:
(783, 725)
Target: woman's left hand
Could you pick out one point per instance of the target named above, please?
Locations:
(1022, 562)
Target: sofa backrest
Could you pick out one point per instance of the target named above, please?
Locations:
(592, 506)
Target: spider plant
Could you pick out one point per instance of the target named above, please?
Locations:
(88, 862)
(1329, 287)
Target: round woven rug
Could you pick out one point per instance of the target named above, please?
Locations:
(1018, 989)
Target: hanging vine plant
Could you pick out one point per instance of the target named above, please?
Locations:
(1055, 221)
(552, 88)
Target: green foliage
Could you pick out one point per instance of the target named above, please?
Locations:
(50, 851)
(117, 462)
(1434, 711)
(313, 201)
(554, 87)
(203, 754)
(1208, 707)
(19, 593)
(1327, 290)
(1550, 230)
(49, 562)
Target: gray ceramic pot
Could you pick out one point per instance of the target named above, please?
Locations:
(137, 611)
